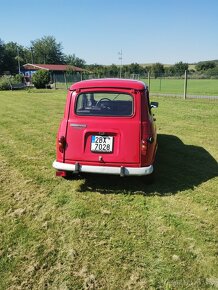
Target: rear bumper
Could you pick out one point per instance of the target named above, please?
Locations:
(122, 171)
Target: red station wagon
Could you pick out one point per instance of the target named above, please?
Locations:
(108, 128)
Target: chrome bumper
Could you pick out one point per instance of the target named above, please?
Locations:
(122, 171)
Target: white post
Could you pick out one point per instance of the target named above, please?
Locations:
(185, 85)
(121, 61)
(149, 80)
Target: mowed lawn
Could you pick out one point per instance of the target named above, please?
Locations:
(199, 87)
(106, 232)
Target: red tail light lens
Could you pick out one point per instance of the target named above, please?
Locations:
(61, 144)
(144, 147)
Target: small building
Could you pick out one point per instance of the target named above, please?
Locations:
(61, 73)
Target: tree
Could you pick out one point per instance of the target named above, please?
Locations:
(47, 50)
(205, 65)
(180, 68)
(213, 72)
(135, 68)
(113, 70)
(72, 59)
(169, 71)
(2, 53)
(157, 69)
(13, 57)
(97, 69)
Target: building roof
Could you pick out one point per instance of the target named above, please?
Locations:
(52, 67)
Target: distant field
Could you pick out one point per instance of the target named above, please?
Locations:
(204, 87)
(105, 232)
(201, 87)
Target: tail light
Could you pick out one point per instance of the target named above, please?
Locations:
(144, 147)
(61, 144)
(145, 144)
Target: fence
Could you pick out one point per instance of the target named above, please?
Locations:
(185, 86)
(64, 80)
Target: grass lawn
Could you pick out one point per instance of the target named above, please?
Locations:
(204, 87)
(106, 232)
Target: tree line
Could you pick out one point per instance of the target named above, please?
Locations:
(47, 50)
(41, 51)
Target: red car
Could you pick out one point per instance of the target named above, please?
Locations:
(108, 128)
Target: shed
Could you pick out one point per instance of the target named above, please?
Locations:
(59, 72)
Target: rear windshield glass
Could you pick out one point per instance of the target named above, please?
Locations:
(104, 104)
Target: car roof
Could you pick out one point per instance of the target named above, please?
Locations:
(109, 83)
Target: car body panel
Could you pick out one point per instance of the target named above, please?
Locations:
(128, 139)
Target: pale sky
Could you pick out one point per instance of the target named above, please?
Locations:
(147, 31)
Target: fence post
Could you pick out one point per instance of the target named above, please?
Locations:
(65, 79)
(55, 82)
(185, 85)
(149, 81)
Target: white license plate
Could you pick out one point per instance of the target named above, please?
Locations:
(102, 144)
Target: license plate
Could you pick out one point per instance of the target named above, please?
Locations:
(102, 144)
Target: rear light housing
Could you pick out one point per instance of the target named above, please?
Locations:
(146, 150)
(61, 144)
(144, 146)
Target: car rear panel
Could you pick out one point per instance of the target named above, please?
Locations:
(124, 131)
(125, 136)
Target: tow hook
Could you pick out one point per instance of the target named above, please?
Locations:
(122, 171)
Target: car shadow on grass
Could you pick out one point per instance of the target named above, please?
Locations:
(178, 167)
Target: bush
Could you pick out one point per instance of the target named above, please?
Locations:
(5, 83)
(19, 78)
(40, 79)
(213, 72)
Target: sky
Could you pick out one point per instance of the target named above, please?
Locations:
(146, 31)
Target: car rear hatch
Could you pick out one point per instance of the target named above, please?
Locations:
(103, 129)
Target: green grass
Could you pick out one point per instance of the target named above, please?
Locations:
(202, 87)
(105, 232)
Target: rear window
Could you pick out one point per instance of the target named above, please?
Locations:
(104, 104)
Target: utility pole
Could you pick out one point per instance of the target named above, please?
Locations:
(121, 61)
(31, 49)
(18, 60)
